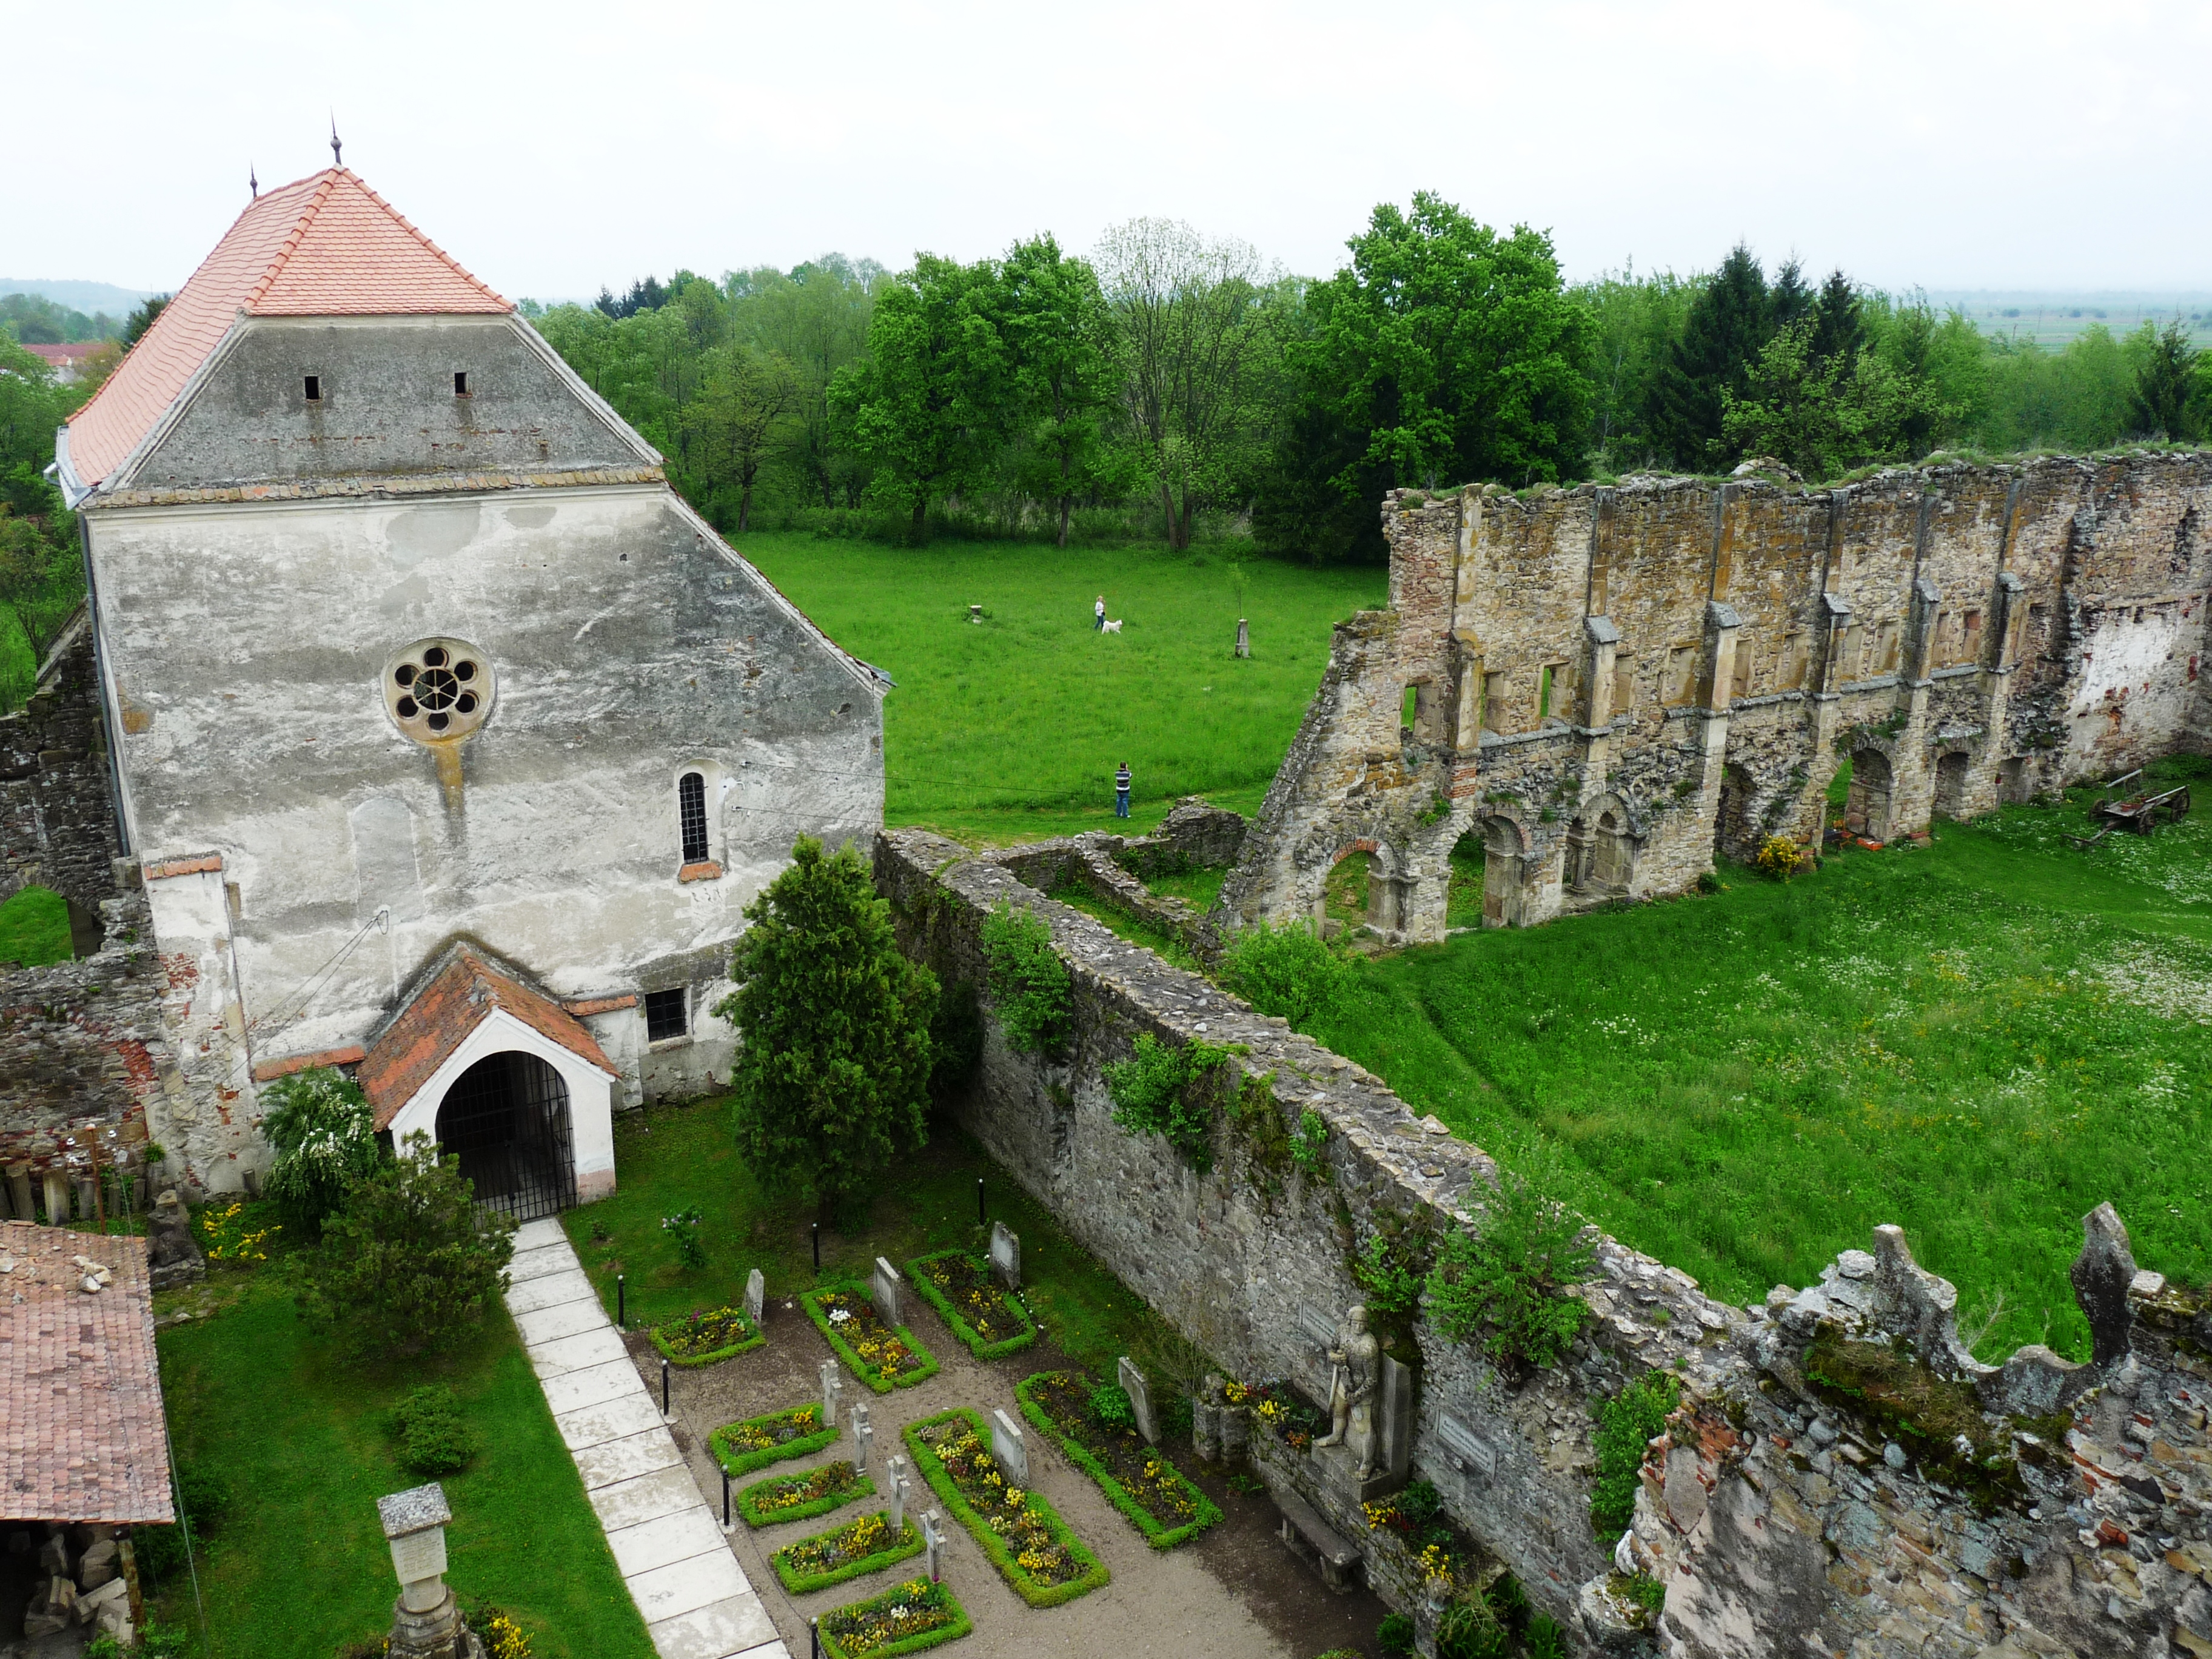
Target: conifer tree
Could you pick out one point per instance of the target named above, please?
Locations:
(1727, 324)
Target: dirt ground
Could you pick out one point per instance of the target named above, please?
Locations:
(1236, 1592)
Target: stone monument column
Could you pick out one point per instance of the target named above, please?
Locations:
(425, 1620)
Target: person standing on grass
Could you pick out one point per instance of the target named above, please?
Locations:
(1098, 615)
(1122, 792)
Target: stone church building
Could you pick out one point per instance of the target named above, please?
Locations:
(446, 743)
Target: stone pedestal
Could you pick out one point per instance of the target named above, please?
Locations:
(1338, 1469)
(431, 1632)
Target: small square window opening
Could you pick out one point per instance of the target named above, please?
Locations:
(460, 383)
(667, 1014)
(314, 388)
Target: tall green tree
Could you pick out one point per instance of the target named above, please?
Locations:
(1063, 355)
(2167, 397)
(832, 1075)
(928, 406)
(1637, 318)
(1823, 413)
(815, 317)
(1838, 330)
(1457, 351)
(1727, 325)
(746, 416)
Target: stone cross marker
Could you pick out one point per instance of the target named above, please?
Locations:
(755, 1296)
(425, 1620)
(864, 1436)
(1010, 1448)
(1007, 1256)
(885, 1293)
(932, 1535)
(894, 1474)
(833, 1384)
(1140, 1399)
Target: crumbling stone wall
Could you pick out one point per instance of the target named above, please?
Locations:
(56, 801)
(1610, 683)
(1774, 1514)
(1194, 836)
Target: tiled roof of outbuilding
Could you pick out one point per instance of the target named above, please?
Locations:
(453, 1002)
(327, 246)
(81, 1427)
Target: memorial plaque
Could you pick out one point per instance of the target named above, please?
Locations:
(1469, 1452)
(419, 1555)
(1318, 1323)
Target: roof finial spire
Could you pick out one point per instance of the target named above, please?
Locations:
(338, 159)
(252, 183)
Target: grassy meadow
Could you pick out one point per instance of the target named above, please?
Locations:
(34, 927)
(1011, 729)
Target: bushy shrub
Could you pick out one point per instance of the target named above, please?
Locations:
(1782, 857)
(433, 1439)
(683, 1227)
(1111, 1406)
(1394, 1634)
(1159, 1090)
(411, 1262)
(1284, 971)
(1309, 1142)
(1626, 1425)
(324, 1135)
(1391, 1273)
(1030, 990)
(1510, 1285)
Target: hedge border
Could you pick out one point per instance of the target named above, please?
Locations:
(861, 1487)
(960, 1626)
(1159, 1537)
(758, 1338)
(960, 1328)
(760, 1457)
(941, 1482)
(807, 1300)
(798, 1585)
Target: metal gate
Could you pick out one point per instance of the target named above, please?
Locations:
(507, 1118)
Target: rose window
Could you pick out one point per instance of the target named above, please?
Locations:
(437, 688)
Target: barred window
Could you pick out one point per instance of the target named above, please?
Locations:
(666, 1014)
(691, 808)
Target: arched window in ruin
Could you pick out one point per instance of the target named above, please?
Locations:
(1612, 854)
(1866, 808)
(1951, 787)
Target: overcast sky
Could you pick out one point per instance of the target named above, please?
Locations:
(553, 147)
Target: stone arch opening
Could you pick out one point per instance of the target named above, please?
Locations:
(507, 1118)
(1867, 807)
(1734, 833)
(1951, 786)
(1358, 890)
(1505, 857)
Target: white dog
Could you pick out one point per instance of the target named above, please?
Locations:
(1111, 628)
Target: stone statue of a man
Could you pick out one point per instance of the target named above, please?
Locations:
(1354, 1362)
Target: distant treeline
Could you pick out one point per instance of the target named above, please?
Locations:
(1173, 385)
(36, 320)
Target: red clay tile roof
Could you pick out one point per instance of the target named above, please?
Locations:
(327, 246)
(81, 1435)
(438, 1019)
(61, 355)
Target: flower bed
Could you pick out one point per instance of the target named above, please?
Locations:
(961, 1288)
(1032, 1547)
(905, 1619)
(1284, 1413)
(708, 1338)
(883, 1358)
(757, 1441)
(1137, 1479)
(857, 1549)
(801, 1497)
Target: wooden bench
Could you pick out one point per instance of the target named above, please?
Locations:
(1313, 1539)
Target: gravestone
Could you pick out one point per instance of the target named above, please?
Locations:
(425, 1620)
(755, 1296)
(1244, 637)
(895, 1477)
(1010, 1448)
(833, 1384)
(18, 1191)
(1140, 1399)
(57, 1199)
(170, 1248)
(933, 1536)
(885, 1293)
(864, 1436)
(1007, 1256)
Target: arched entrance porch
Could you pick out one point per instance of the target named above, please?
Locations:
(507, 1118)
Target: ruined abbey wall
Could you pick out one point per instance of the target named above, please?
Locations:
(1612, 684)
(1843, 1480)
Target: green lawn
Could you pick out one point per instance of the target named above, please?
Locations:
(1979, 1040)
(34, 927)
(669, 1158)
(1011, 730)
(299, 1566)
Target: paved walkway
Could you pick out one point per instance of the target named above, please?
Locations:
(694, 1598)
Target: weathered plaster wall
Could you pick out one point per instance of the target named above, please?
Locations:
(1774, 1513)
(247, 644)
(1613, 683)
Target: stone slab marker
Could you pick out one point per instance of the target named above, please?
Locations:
(895, 1477)
(833, 1384)
(1140, 1399)
(885, 1293)
(864, 1436)
(57, 1199)
(1393, 1422)
(1007, 1256)
(755, 1296)
(1009, 1447)
(18, 1191)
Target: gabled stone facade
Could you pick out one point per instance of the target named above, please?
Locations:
(1611, 685)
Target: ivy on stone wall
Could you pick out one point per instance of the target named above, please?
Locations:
(1169, 1089)
(1030, 990)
